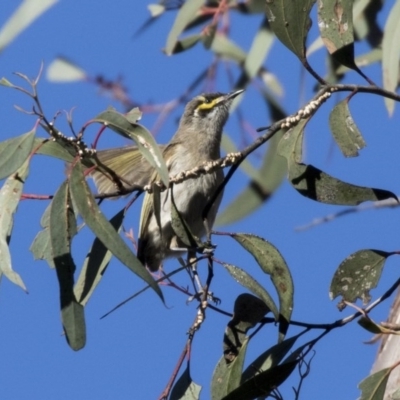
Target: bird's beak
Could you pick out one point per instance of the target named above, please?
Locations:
(232, 95)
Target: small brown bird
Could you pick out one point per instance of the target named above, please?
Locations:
(196, 141)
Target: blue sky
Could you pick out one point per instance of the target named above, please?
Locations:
(132, 353)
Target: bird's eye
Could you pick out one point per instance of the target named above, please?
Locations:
(207, 101)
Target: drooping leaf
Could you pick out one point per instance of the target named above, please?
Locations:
(14, 152)
(251, 284)
(273, 264)
(10, 195)
(186, 43)
(315, 184)
(391, 53)
(186, 14)
(227, 49)
(63, 70)
(41, 245)
(24, 15)
(226, 376)
(262, 384)
(97, 222)
(357, 275)
(263, 184)
(248, 312)
(345, 131)
(373, 387)
(53, 148)
(62, 229)
(371, 326)
(180, 226)
(257, 54)
(185, 388)
(335, 22)
(290, 22)
(143, 138)
(95, 264)
(269, 358)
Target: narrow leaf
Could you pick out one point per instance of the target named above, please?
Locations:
(143, 138)
(62, 230)
(345, 131)
(186, 43)
(97, 222)
(373, 387)
(10, 195)
(26, 13)
(63, 70)
(290, 22)
(227, 49)
(335, 22)
(185, 388)
(95, 264)
(52, 148)
(357, 275)
(14, 152)
(269, 359)
(391, 53)
(273, 264)
(317, 185)
(251, 284)
(185, 15)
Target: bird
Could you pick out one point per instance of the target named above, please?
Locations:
(197, 140)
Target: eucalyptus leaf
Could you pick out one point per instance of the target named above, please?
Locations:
(290, 22)
(373, 387)
(391, 54)
(345, 131)
(143, 138)
(95, 264)
(273, 264)
(186, 14)
(357, 275)
(97, 222)
(14, 152)
(63, 70)
(10, 195)
(62, 230)
(185, 388)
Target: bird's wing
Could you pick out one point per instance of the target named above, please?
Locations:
(127, 163)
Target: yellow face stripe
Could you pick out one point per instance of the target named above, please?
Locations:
(210, 105)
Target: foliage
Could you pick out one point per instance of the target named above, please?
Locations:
(340, 25)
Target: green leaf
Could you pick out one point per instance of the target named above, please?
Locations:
(258, 52)
(373, 387)
(156, 10)
(357, 275)
(25, 14)
(143, 138)
(97, 222)
(41, 245)
(180, 226)
(63, 70)
(14, 153)
(251, 284)
(185, 388)
(263, 184)
(51, 148)
(269, 358)
(227, 49)
(226, 376)
(62, 230)
(186, 43)
(95, 264)
(186, 14)
(345, 131)
(290, 22)
(10, 195)
(335, 22)
(391, 53)
(273, 264)
(315, 184)
(262, 384)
